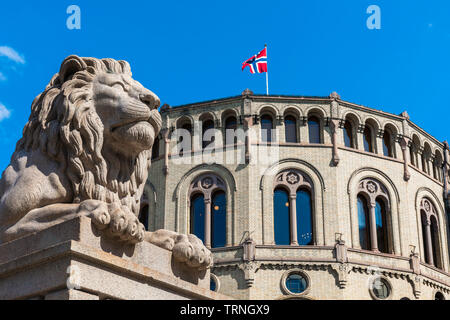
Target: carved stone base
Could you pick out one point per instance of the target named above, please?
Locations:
(71, 261)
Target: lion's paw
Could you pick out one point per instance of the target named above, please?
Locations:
(125, 225)
(190, 250)
(98, 211)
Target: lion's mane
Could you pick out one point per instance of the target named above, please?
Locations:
(65, 126)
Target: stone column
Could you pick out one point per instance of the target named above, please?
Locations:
(428, 241)
(373, 228)
(208, 223)
(360, 137)
(379, 142)
(165, 135)
(334, 126)
(445, 169)
(404, 146)
(293, 218)
(304, 134)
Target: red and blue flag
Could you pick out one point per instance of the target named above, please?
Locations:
(257, 63)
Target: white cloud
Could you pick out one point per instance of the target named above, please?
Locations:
(4, 113)
(11, 54)
(2, 77)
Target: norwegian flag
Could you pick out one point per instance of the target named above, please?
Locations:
(257, 63)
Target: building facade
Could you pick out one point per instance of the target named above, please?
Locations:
(319, 199)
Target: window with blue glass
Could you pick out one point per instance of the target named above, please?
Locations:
(290, 127)
(381, 221)
(387, 145)
(348, 135)
(363, 223)
(266, 128)
(296, 283)
(281, 217)
(198, 216)
(367, 137)
(314, 130)
(304, 217)
(219, 219)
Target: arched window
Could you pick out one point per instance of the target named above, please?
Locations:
(304, 217)
(184, 140)
(430, 233)
(293, 209)
(198, 216)
(155, 149)
(412, 155)
(363, 223)
(266, 128)
(373, 216)
(314, 130)
(367, 135)
(290, 127)
(209, 210)
(230, 124)
(348, 135)
(281, 216)
(381, 221)
(206, 125)
(219, 219)
(387, 145)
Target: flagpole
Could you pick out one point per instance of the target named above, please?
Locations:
(267, 73)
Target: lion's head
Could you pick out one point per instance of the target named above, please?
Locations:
(100, 125)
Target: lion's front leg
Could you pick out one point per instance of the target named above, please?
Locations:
(185, 248)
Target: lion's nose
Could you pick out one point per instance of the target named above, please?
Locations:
(150, 99)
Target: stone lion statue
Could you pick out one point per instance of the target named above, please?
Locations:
(86, 151)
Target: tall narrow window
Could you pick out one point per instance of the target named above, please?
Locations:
(304, 218)
(387, 145)
(281, 217)
(435, 242)
(208, 124)
(412, 156)
(185, 139)
(290, 128)
(368, 146)
(266, 128)
(218, 219)
(198, 216)
(314, 130)
(424, 163)
(381, 221)
(348, 135)
(230, 124)
(363, 223)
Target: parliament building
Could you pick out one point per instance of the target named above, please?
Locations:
(312, 198)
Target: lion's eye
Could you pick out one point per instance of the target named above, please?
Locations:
(119, 85)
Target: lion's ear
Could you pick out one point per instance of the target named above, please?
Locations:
(70, 66)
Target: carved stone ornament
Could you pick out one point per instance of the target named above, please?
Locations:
(87, 145)
(373, 189)
(292, 179)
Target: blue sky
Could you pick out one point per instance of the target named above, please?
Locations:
(188, 51)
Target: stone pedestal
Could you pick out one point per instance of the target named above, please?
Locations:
(72, 261)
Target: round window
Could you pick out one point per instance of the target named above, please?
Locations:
(439, 296)
(212, 285)
(381, 289)
(296, 283)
